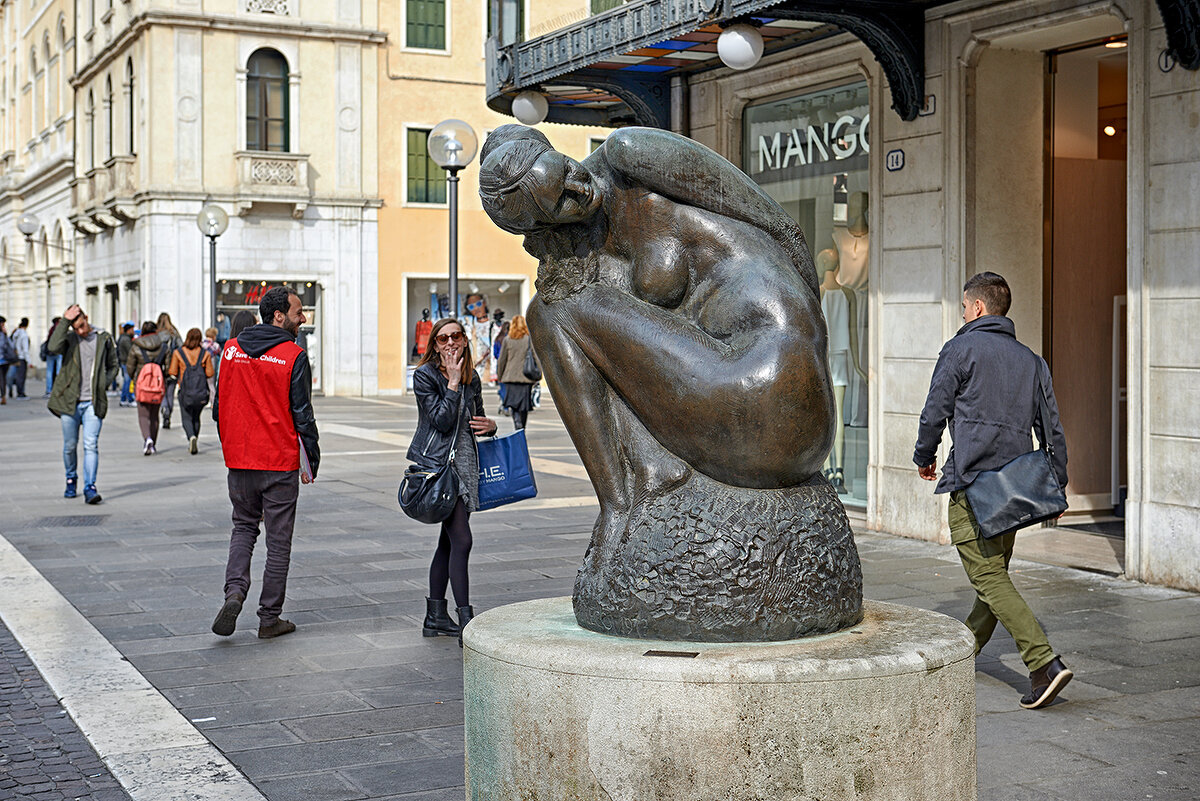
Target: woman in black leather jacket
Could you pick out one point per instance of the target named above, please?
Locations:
(450, 416)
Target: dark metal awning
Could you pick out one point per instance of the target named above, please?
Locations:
(616, 67)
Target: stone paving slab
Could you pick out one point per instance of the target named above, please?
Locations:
(358, 705)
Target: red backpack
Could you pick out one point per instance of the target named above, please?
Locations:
(151, 386)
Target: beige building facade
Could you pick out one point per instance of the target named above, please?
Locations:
(36, 157)
(431, 69)
(264, 108)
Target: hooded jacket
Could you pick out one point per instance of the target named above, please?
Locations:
(984, 389)
(143, 350)
(256, 341)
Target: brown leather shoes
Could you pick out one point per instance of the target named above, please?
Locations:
(226, 620)
(277, 629)
(1045, 683)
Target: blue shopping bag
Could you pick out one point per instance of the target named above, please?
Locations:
(505, 473)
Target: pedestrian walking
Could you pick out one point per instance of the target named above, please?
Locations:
(986, 387)
(20, 365)
(518, 387)
(124, 343)
(192, 370)
(53, 360)
(8, 354)
(213, 348)
(148, 390)
(269, 439)
(172, 339)
(78, 399)
(449, 416)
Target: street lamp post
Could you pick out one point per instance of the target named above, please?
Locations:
(452, 145)
(212, 222)
(28, 225)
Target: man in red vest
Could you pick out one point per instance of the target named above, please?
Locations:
(267, 429)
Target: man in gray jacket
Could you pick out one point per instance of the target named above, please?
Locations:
(985, 388)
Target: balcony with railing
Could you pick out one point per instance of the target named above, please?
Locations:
(273, 178)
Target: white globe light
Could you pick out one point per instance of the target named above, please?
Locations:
(740, 46)
(452, 144)
(212, 220)
(530, 107)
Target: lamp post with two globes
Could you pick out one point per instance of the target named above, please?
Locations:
(452, 144)
(212, 222)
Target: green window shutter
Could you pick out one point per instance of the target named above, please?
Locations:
(604, 5)
(425, 24)
(426, 180)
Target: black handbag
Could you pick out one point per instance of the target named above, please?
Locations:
(428, 494)
(1022, 493)
(531, 369)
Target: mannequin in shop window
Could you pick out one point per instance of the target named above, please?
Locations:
(840, 306)
(851, 243)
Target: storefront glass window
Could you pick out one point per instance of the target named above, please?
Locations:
(811, 153)
(235, 295)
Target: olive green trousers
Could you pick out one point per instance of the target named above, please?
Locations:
(986, 563)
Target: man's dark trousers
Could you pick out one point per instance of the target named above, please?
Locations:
(269, 496)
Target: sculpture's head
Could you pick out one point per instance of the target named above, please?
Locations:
(527, 186)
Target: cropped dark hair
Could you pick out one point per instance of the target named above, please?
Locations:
(992, 289)
(241, 321)
(149, 327)
(274, 300)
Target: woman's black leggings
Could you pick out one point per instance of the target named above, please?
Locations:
(519, 419)
(450, 559)
(191, 420)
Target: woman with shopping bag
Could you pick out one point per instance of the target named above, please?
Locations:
(450, 415)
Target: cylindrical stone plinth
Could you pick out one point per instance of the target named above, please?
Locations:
(883, 711)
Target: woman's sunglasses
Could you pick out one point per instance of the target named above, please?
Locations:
(453, 336)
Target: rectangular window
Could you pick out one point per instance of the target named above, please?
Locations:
(604, 5)
(426, 180)
(425, 24)
(812, 154)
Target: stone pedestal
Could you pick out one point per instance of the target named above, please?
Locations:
(883, 711)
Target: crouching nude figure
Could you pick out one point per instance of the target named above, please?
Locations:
(679, 327)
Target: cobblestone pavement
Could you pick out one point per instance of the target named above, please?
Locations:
(358, 705)
(43, 755)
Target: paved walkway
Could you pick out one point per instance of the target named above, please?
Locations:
(358, 705)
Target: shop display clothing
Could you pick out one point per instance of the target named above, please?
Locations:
(837, 318)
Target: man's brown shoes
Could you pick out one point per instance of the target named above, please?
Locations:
(1045, 683)
(277, 629)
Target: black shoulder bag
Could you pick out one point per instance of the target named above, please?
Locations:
(428, 494)
(1022, 493)
(531, 368)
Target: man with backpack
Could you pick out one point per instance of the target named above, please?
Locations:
(79, 399)
(268, 433)
(147, 356)
(192, 367)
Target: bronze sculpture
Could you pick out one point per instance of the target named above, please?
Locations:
(679, 327)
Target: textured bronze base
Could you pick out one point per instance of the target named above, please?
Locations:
(713, 563)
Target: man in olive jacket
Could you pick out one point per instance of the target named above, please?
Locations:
(78, 398)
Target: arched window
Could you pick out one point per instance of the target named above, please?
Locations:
(50, 88)
(62, 89)
(91, 130)
(267, 102)
(35, 96)
(108, 118)
(130, 100)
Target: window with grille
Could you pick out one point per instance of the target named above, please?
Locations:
(426, 180)
(267, 102)
(425, 24)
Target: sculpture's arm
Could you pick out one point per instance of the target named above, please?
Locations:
(690, 173)
(753, 415)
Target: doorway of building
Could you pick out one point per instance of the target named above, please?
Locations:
(1084, 261)
(1048, 185)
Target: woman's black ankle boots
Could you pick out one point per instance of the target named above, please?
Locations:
(438, 620)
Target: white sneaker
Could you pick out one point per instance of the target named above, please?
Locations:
(148, 448)
(193, 447)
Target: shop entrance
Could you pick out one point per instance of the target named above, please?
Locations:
(243, 295)
(1049, 174)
